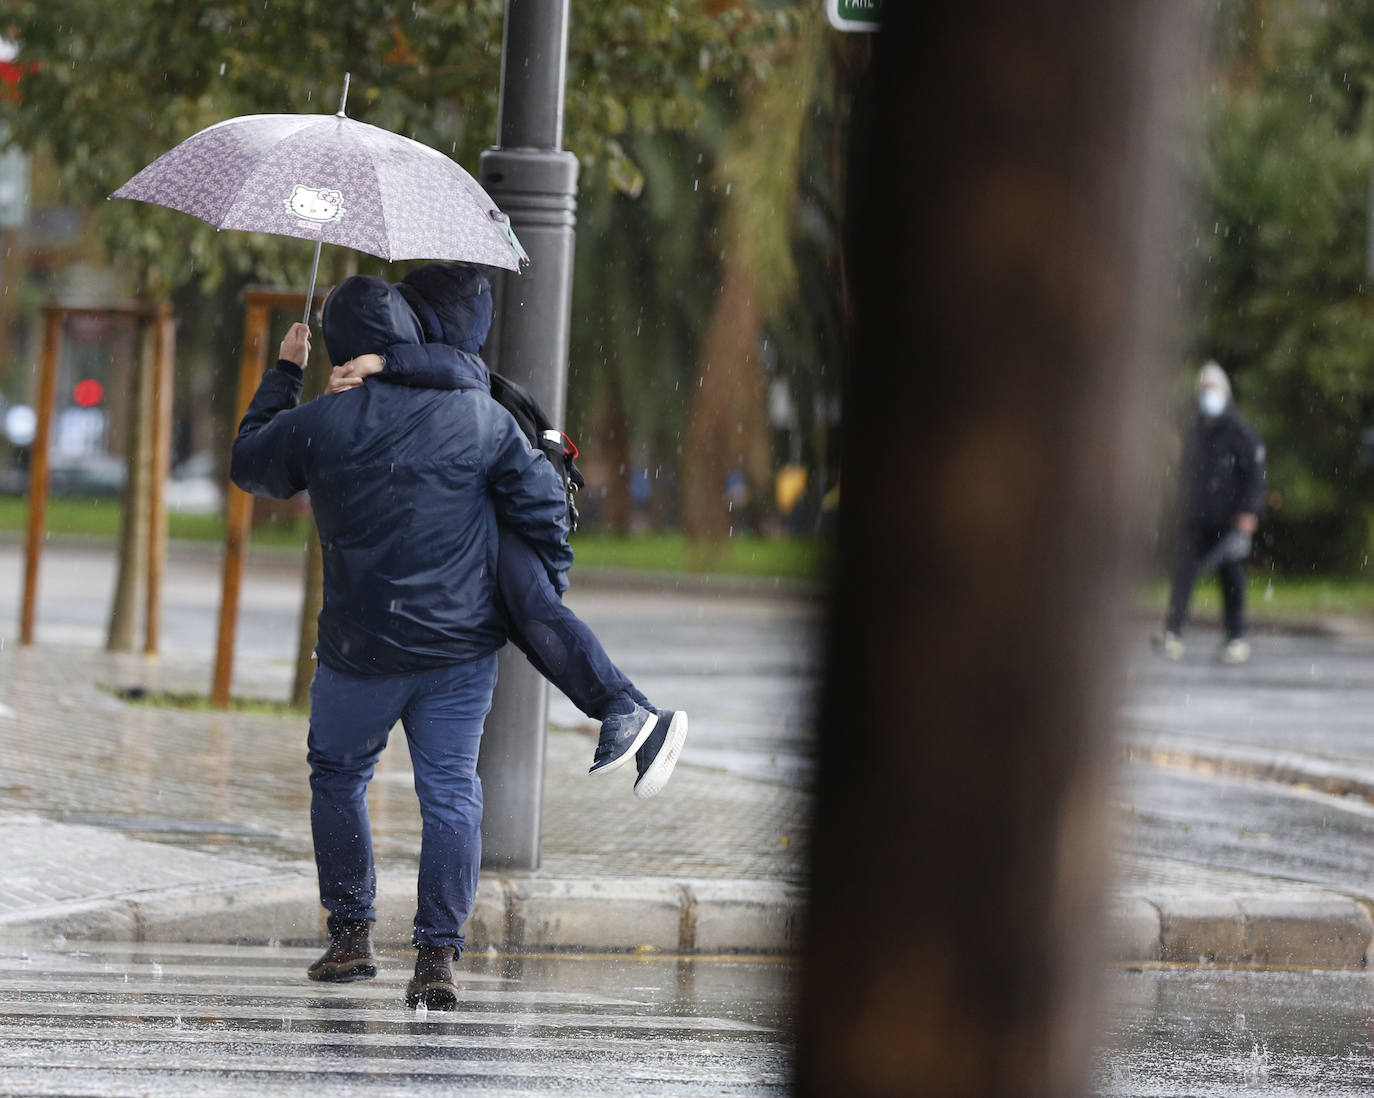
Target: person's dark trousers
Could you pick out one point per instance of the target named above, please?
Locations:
(442, 711)
(1194, 543)
(554, 639)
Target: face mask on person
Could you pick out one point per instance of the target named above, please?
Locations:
(1212, 402)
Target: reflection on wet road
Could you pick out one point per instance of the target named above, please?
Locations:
(1219, 1033)
(184, 1020)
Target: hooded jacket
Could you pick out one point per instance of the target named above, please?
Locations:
(1223, 470)
(406, 484)
(453, 304)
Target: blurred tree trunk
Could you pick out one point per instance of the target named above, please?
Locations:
(728, 428)
(132, 574)
(1008, 239)
(614, 442)
(13, 264)
(758, 173)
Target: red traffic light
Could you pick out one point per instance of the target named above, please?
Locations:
(88, 393)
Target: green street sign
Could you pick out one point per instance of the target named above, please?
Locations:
(855, 15)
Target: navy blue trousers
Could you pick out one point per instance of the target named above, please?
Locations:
(554, 639)
(442, 711)
(1194, 543)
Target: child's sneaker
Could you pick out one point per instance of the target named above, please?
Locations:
(657, 758)
(622, 734)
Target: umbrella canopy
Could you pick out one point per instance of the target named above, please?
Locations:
(333, 180)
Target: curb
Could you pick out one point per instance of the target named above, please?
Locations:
(1316, 929)
(644, 915)
(1330, 626)
(1341, 779)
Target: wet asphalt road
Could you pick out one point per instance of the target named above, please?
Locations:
(220, 1021)
(1178, 1033)
(1298, 693)
(744, 667)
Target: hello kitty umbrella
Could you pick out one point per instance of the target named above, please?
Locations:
(332, 180)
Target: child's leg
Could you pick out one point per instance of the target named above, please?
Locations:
(556, 641)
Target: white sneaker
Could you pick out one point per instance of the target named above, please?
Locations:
(1236, 651)
(1168, 645)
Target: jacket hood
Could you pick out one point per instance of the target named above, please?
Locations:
(452, 302)
(1213, 376)
(366, 315)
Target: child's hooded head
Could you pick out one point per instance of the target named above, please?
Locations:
(365, 315)
(453, 303)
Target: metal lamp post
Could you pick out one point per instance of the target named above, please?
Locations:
(535, 182)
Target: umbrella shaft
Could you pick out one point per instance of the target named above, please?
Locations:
(310, 293)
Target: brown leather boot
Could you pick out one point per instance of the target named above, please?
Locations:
(350, 955)
(433, 983)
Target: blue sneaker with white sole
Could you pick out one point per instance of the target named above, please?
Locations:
(622, 734)
(657, 758)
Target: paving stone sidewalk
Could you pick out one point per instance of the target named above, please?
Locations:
(120, 821)
(127, 821)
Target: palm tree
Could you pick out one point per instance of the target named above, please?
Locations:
(759, 174)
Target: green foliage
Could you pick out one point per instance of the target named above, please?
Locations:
(1281, 246)
(117, 84)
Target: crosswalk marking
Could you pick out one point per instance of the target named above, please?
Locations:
(227, 987)
(212, 1023)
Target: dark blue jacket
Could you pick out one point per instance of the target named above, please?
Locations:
(406, 484)
(1222, 472)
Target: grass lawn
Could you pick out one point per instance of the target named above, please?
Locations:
(742, 556)
(1276, 596)
(99, 518)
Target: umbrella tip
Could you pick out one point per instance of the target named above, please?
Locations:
(343, 99)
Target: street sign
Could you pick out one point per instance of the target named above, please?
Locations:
(855, 15)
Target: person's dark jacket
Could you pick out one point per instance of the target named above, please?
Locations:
(453, 303)
(1223, 471)
(406, 484)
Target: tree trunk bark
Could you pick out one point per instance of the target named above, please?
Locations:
(728, 426)
(614, 443)
(132, 574)
(1009, 236)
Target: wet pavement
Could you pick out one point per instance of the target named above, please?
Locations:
(1250, 779)
(744, 665)
(1264, 830)
(235, 783)
(1312, 695)
(207, 1021)
(1176, 1033)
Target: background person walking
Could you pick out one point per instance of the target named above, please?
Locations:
(1221, 493)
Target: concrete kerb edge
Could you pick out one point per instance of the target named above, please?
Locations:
(1319, 929)
(1282, 769)
(646, 915)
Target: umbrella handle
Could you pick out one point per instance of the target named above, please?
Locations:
(310, 293)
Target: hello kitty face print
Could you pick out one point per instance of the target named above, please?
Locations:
(315, 206)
